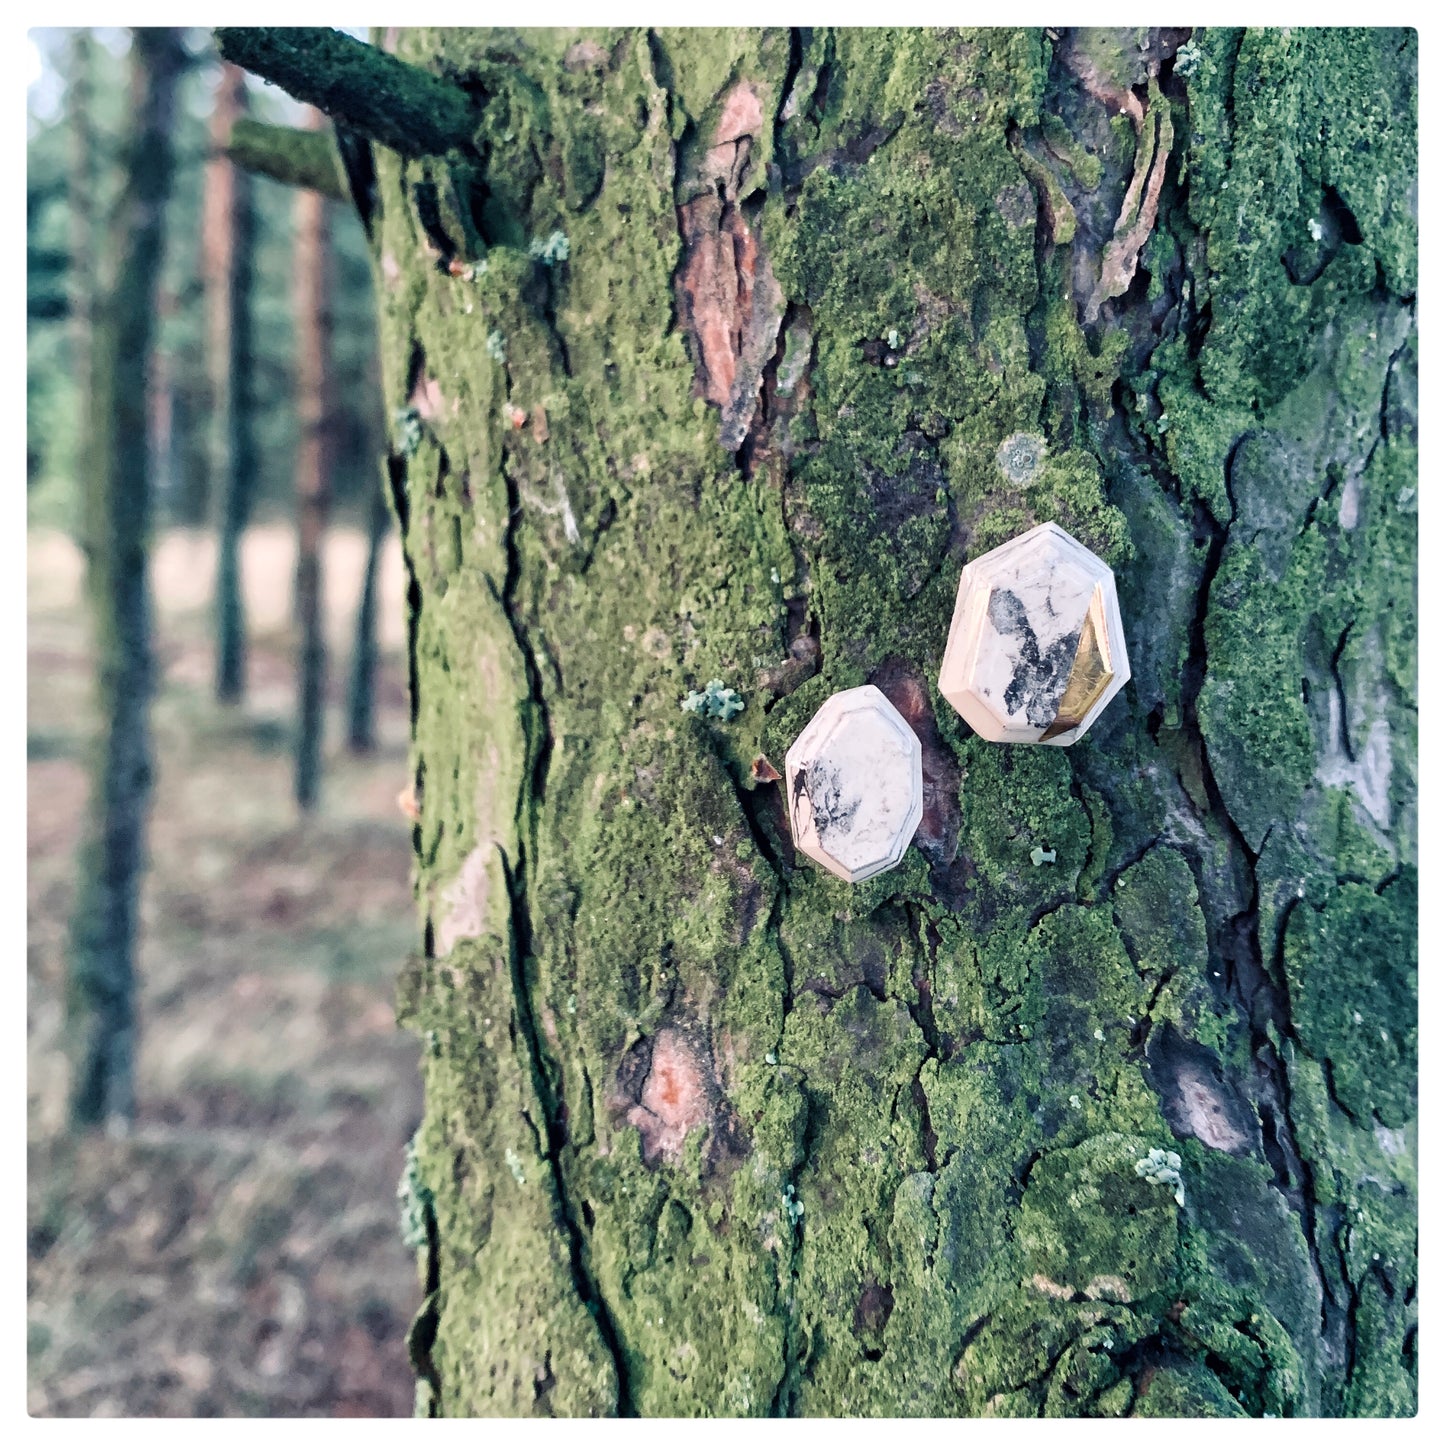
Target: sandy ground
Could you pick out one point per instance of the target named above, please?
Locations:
(238, 1253)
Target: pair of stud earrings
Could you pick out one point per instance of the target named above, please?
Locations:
(1035, 653)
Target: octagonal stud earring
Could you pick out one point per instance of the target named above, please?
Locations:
(855, 785)
(1036, 648)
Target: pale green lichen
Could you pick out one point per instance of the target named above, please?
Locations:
(408, 430)
(1187, 59)
(551, 250)
(1020, 456)
(1161, 1166)
(715, 701)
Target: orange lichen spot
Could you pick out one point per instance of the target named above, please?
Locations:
(764, 771)
(516, 417)
(406, 801)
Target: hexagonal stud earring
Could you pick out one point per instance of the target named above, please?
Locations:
(1036, 648)
(855, 785)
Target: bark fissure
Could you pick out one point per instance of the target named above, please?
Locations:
(1262, 1001)
(519, 880)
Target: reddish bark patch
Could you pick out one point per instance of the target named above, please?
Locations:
(675, 1099)
(937, 833)
(728, 298)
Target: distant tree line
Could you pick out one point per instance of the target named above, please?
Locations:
(187, 490)
(201, 347)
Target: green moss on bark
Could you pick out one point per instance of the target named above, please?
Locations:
(709, 1131)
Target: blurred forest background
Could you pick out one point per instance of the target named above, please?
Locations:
(213, 1225)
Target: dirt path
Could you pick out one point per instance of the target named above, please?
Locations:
(238, 1253)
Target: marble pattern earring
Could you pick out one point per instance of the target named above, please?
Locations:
(1036, 648)
(854, 781)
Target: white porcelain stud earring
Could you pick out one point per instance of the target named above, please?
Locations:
(1036, 648)
(855, 785)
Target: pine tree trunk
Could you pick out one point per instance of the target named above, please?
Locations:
(228, 243)
(162, 436)
(716, 354)
(84, 234)
(117, 521)
(361, 692)
(313, 478)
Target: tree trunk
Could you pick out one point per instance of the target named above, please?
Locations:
(117, 519)
(228, 241)
(84, 235)
(162, 435)
(361, 693)
(313, 478)
(716, 354)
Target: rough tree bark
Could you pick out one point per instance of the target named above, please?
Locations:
(707, 346)
(228, 243)
(116, 531)
(313, 478)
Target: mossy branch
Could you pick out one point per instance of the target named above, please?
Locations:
(385, 99)
(294, 157)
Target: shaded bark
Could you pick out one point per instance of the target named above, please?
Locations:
(361, 689)
(1102, 1102)
(117, 521)
(228, 243)
(313, 478)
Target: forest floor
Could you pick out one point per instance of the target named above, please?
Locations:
(238, 1252)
